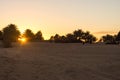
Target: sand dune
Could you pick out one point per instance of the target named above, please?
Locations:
(50, 61)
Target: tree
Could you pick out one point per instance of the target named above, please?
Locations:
(78, 35)
(10, 34)
(109, 39)
(91, 39)
(70, 38)
(86, 36)
(63, 39)
(29, 35)
(118, 37)
(57, 38)
(38, 36)
(1, 35)
(51, 39)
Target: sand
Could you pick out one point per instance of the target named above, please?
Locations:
(50, 61)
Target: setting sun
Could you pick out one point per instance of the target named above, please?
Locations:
(22, 39)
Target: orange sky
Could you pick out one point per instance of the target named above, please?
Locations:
(62, 16)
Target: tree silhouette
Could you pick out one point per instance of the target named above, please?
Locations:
(71, 38)
(29, 35)
(63, 39)
(89, 38)
(86, 36)
(10, 34)
(51, 39)
(109, 39)
(78, 35)
(1, 35)
(38, 36)
(57, 38)
(118, 37)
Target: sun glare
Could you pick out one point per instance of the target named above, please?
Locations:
(22, 39)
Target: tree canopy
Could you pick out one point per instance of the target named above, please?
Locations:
(38, 36)
(110, 39)
(29, 35)
(118, 36)
(78, 36)
(33, 37)
(10, 34)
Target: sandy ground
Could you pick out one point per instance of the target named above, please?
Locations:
(50, 61)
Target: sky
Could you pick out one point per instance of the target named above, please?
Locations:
(100, 17)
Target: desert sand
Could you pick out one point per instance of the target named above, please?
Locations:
(50, 61)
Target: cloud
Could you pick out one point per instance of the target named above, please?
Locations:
(105, 32)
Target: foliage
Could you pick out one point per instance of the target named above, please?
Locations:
(109, 39)
(33, 37)
(29, 35)
(118, 37)
(38, 36)
(57, 38)
(78, 36)
(70, 38)
(10, 34)
(51, 39)
(1, 35)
